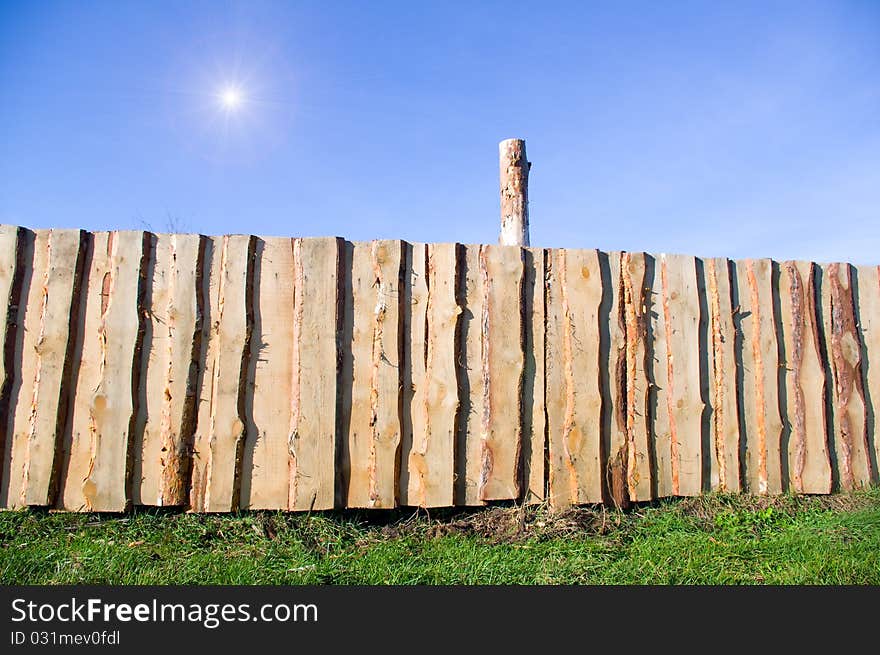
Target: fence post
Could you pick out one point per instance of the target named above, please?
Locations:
(514, 192)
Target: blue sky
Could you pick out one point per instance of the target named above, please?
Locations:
(710, 128)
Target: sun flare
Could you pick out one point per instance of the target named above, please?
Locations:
(230, 98)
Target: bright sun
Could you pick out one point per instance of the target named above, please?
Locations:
(230, 98)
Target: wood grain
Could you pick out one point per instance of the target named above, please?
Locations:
(502, 367)
(574, 402)
(534, 417)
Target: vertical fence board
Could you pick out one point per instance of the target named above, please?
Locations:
(658, 400)
(167, 411)
(104, 412)
(470, 361)
(681, 308)
(29, 263)
(759, 362)
(614, 365)
(415, 349)
(219, 439)
(534, 419)
(40, 407)
(844, 354)
(374, 422)
(868, 305)
(502, 372)
(313, 448)
(809, 467)
(635, 289)
(724, 459)
(574, 403)
(265, 480)
(431, 459)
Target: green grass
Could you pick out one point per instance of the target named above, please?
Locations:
(710, 540)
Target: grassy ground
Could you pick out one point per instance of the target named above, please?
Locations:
(710, 540)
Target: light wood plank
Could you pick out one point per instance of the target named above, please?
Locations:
(219, 437)
(844, 355)
(431, 460)
(868, 305)
(167, 412)
(724, 458)
(19, 276)
(265, 479)
(534, 420)
(40, 406)
(574, 403)
(415, 302)
(502, 367)
(638, 459)
(760, 398)
(374, 429)
(104, 412)
(809, 466)
(684, 404)
(471, 392)
(317, 313)
(614, 363)
(658, 375)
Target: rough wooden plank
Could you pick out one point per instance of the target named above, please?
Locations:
(574, 403)
(415, 334)
(844, 355)
(374, 428)
(638, 460)
(502, 367)
(759, 362)
(317, 313)
(171, 344)
(219, 438)
(809, 466)
(614, 367)
(97, 469)
(534, 416)
(17, 278)
(658, 395)
(470, 362)
(431, 461)
(868, 306)
(264, 473)
(41, 403)
(681, 309)
(8, 258)
(724, 457)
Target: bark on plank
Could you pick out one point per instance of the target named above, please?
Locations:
(502, 366)
(534, 417)
(317, 303)
(219, 437)
(638, 461)
(681, 310)
(104, 411)
(868, 304)
(167, 414)
(850, 433)
(470, 362)
(265, 480)
(574, 403)
(41, 403)
(435, 401)
(809, 466)
(374, 425)
(760, 397)
(724, 459)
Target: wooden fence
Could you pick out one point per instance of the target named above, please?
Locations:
(230, 372)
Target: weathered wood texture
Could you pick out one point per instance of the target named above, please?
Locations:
(96, 475)
(759, 364)
(574, 400)
(217, 373)
(40, 403)
(809, 466)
